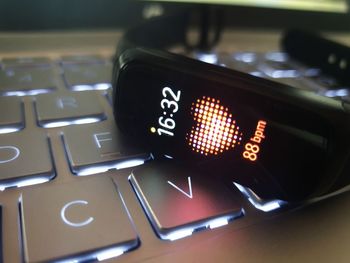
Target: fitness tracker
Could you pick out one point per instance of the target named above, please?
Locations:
(279, 141)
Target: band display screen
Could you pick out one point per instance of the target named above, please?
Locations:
(214, 129)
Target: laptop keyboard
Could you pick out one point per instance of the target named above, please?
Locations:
(278, 67)
(72, 190)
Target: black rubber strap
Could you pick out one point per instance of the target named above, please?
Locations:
(311, 49)
(159, 33)
(165, 31)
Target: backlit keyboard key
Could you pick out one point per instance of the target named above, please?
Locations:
(276, 70)
(243, 61)
(88, 77)
(210, 57)
(338, 93)
(81, 221)
(25, 159)
(277, 56)
(179, 201)
(62, 109)
(82, 59)
(96, 148)
(246, 57)
(25, 62)
(11, 117)
(24, 81)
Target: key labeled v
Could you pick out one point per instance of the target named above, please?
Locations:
(189, 194)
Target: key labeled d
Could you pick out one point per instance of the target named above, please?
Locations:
(8, 154)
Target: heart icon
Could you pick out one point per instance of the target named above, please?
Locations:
(215, 130)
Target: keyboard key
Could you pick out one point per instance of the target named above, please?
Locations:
(79, 221)
(257, 74)
(88, 77)
(11, 117)
(209, 57)
(62, 109)
(25, 159)
(277, 56)
(97, 148)
(266, 205)
(244, 62)
(22, 82)
(25, 61)
(337, 93)
(179, 201)
(83, 59)
(276, 70)
(246, 57)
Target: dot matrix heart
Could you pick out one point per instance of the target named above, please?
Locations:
(215, 130)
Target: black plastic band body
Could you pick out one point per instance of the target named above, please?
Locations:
(162, 32)
(158, 33)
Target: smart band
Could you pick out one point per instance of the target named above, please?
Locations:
(279, 141)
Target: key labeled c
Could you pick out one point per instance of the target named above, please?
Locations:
(75, 224)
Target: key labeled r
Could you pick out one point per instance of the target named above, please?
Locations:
(69, 206)
(8, 154)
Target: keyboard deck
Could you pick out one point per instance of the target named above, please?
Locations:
(73, 190)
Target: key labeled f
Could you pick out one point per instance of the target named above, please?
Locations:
(102, 137)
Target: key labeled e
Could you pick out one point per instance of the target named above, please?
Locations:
(8, 154)
(71, 205)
